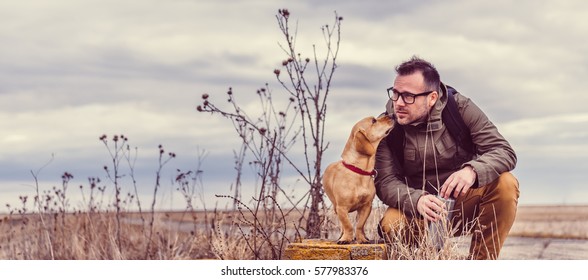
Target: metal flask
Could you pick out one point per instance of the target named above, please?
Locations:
(440, 230)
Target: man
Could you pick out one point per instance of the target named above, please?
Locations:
(433, 163)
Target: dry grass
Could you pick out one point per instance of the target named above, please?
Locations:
(92, 236)
(225, 235)
(172, 235)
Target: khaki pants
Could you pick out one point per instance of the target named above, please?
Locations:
(487, 212)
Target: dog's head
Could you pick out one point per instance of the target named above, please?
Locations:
(368, 132)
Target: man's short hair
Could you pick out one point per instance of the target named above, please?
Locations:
(429, 72)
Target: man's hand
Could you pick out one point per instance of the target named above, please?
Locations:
(430, 207)
(459, 182)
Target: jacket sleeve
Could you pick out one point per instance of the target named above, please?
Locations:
(495, 155)
(391, 187)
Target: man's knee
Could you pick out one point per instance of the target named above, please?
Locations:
(391, 221)
(395, 226)
(507, 187)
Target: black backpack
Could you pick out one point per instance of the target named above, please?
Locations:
(453, 122)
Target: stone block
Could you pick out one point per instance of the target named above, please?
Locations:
(320, 249)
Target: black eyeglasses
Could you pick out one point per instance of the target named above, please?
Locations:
(407, 97)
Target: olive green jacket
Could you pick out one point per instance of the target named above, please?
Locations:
(431, 155)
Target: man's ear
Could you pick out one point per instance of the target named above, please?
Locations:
(362, 144)
(433, 97)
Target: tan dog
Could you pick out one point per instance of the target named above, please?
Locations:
(349, 183)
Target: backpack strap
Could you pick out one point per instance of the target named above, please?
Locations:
(454, 123)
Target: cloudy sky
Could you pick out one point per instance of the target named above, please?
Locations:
(73, 70)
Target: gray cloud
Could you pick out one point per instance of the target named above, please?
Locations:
(72, 71)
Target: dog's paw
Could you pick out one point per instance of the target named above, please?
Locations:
(364, 241)
(344, 242)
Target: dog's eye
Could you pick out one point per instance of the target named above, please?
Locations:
(374, 120)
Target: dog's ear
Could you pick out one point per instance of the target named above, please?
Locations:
(362, 144)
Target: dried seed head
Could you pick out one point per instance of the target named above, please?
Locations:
(66, 176)
(277, 72)
(199, 108)
(285, 13)
(205, 96)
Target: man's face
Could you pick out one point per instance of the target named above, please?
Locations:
(418, 111)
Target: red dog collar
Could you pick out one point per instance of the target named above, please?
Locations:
(360, 171)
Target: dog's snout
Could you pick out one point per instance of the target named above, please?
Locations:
(390, 118)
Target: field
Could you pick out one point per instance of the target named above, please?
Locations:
(211, 234)
(531, 221)
(551, 222)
